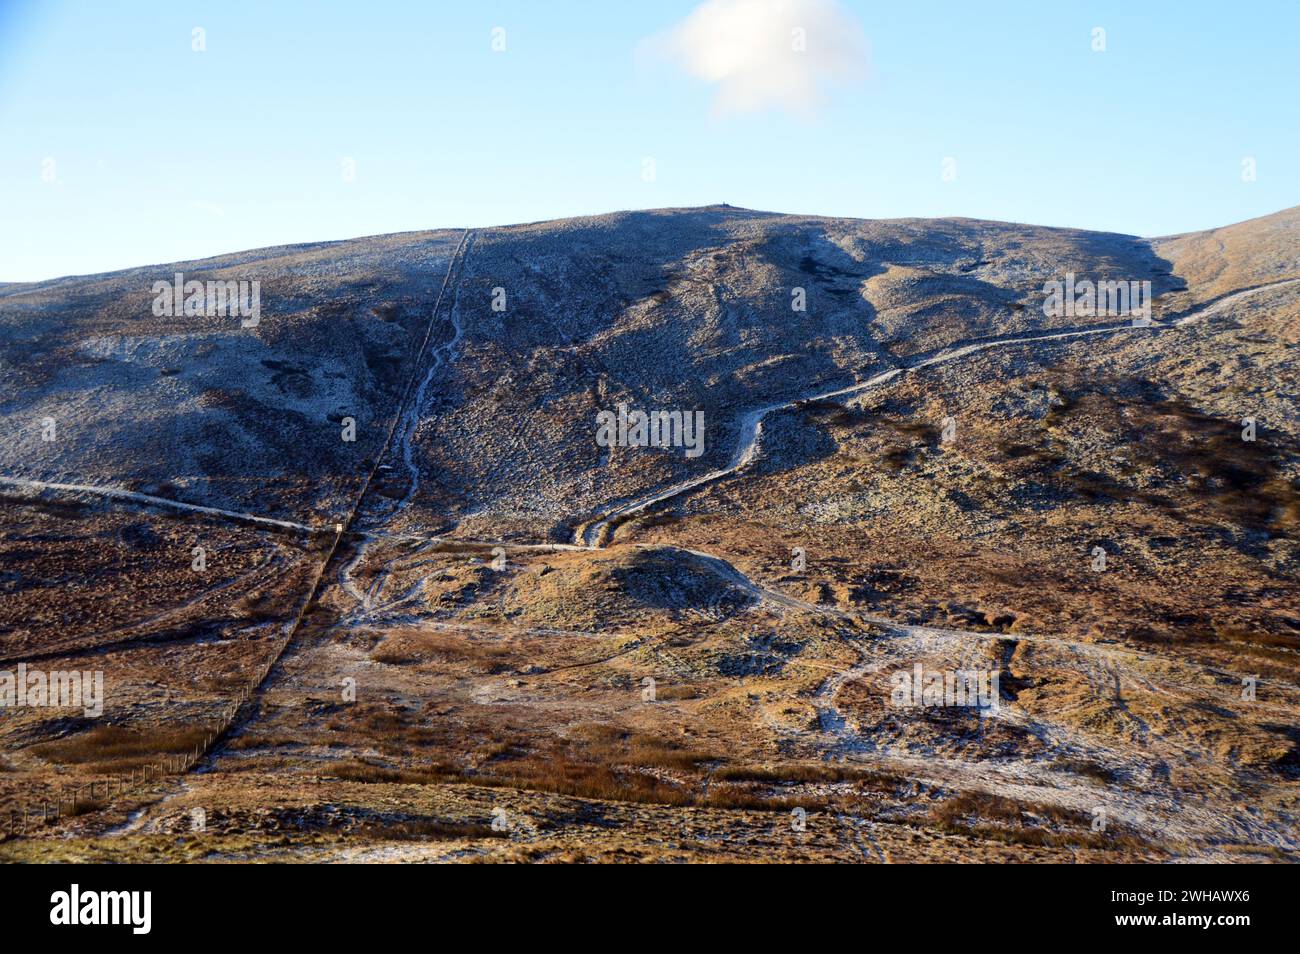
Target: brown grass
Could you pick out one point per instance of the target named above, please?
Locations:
(429, 829)
(585, 780)
(117, 744)
(411, 648)
(810, 773)
(85, 806)
(994, 817)
(358, 771)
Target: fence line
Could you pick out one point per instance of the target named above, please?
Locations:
(180, 764)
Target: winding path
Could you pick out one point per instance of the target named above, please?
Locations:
(597, 531)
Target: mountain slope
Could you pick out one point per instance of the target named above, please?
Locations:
(530, 644)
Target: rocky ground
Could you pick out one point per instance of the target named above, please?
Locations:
(474, 633)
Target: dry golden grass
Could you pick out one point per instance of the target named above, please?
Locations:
(121, 745)
(810, 773)
(988, 816)
(431, 646)
(358, 771)
(427, 829)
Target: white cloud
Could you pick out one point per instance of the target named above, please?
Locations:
(768, 53)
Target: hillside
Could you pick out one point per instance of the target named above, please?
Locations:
(478, 631)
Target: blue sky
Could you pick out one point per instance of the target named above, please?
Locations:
(161, 153)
